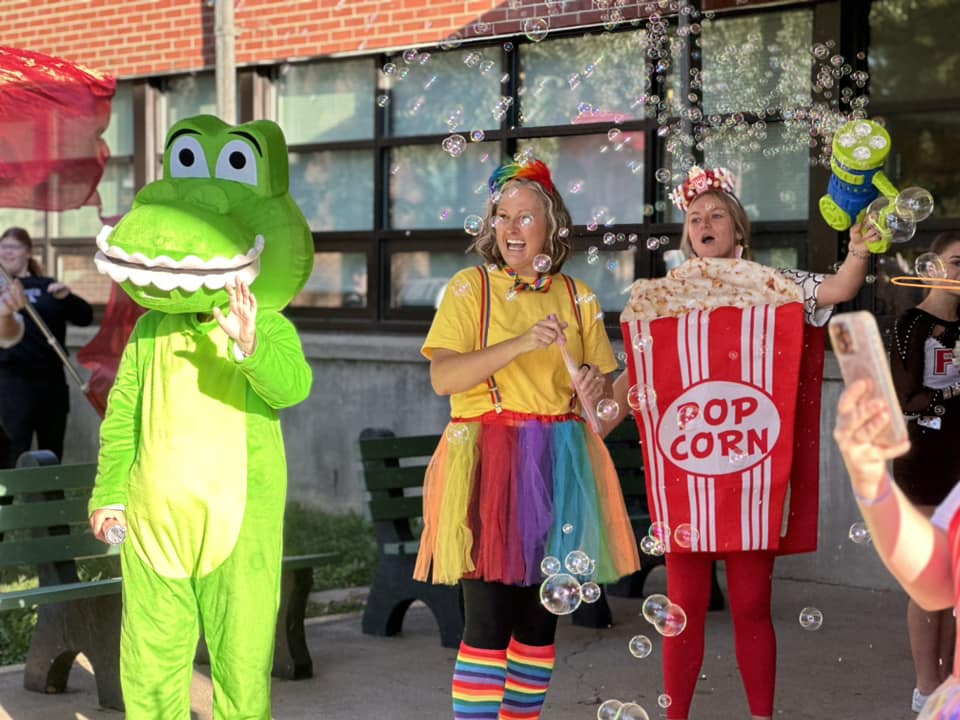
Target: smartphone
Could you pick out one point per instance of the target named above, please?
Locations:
(860, 353)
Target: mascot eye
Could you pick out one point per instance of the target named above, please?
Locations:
(237, 162)
(187, 159)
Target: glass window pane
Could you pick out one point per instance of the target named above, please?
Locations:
(430, 189)
(334, 188)
(119, 133)
(926, 156)
(601, 180)
(913, 50)
(771, 165)
(338, 280)
(755, 62)
(116, 194)
(589, 78)
(454, 91)
(30, 220)
(326, 102)
(76, 269)
(610, 274)
(418, 278)
(775, 257)
(187, 96)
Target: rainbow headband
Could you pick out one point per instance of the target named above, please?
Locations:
(700, 181)
(532, 171)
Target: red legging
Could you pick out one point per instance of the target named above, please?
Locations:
(749, 577)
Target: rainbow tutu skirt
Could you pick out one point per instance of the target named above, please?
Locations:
(944, 703)
(503, 491)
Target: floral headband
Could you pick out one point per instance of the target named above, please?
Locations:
(533, 171)
(700, 181)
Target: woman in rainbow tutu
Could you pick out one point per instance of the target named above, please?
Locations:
(518, 475)
(920, 551)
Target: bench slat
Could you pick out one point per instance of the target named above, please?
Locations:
(42, 514)
(295, 562)
(392, 448)
(394, 478)
(395, 508)
(54, 548)
(48, 477)
(58, 593)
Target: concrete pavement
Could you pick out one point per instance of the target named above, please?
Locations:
(857, 665)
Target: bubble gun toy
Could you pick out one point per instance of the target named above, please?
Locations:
(859, 150)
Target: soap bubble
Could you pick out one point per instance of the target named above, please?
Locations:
(550, 565)
(659, 530)
(590, 592)
(640, 646)
(577, 562)
(930, 265)
(567, 528)
(642, 343)
(859, 533)
(542, 263)
(609, 710)
(454, 145)
(473, 225)
(915, 203)
(664, 700)
(641, 396)
(651, 546)
(811, 618)
(608, 409)
(685, 535)
(672, 621)
(457, 434)
(653, 606)
(535, 29)
(560, 594)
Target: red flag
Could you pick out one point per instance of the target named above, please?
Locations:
(52, 114)
(719, 428)
(101, 356)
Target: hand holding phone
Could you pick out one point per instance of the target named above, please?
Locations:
(860, 353)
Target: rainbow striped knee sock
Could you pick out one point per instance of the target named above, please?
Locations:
(478, 679)
(528, 675)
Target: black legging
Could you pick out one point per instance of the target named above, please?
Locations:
(494, 612)
(31, 407)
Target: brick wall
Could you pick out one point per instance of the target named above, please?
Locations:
(132, 38)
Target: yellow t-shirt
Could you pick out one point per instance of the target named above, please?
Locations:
(536, 382)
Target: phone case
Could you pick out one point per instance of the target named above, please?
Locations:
(860, 353)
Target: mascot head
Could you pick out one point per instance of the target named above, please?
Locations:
(222, 211)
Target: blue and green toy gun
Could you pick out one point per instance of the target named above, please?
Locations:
(859, 150)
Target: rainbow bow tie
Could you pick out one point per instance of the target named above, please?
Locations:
(541, 284)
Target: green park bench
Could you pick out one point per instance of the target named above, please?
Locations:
(46, 529)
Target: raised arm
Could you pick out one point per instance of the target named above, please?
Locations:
(914, 550)
(847, 281)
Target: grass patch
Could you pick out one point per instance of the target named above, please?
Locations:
(305, 531)
(350, 536)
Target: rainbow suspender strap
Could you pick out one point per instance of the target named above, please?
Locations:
(494, 391)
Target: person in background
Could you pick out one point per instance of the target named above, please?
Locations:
(717, 226)
(34, 397)
(518, 475)
(928, 388)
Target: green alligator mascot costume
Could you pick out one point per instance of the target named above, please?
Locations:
(191, 454)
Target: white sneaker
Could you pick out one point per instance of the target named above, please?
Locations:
(918, 700)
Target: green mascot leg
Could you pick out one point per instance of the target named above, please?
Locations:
(158, 642)
(238, 603)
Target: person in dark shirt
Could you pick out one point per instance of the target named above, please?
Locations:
(928, 387)
(34, 397)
